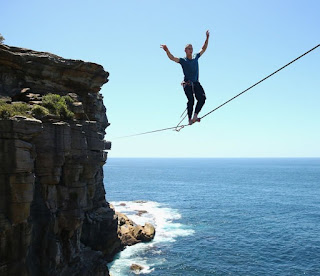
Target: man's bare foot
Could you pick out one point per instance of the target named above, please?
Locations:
(195, 118)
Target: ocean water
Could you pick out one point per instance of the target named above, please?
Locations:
(219, 216)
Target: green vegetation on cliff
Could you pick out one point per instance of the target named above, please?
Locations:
(39, 111)
(58, 105)
(1, 39)
(10, 110)
(51, 104)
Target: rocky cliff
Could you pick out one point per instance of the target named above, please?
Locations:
(54, 219)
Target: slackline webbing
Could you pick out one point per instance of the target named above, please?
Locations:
(179, 127)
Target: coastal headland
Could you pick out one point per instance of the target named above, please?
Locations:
(54, 218)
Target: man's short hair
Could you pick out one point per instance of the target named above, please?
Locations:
(188, 46)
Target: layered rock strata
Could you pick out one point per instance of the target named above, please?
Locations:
(54, 219)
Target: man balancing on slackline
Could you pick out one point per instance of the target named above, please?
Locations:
(191, 84)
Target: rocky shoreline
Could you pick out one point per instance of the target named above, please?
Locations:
(54, 219)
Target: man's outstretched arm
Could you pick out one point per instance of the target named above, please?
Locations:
(164, 47)
(205, 45)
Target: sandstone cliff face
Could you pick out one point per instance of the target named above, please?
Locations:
(54, 219)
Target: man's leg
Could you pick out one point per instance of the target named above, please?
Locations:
(189, 94)
(201, 98)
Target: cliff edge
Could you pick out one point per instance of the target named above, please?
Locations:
(54, 219)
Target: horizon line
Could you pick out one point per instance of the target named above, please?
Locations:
(244, 157)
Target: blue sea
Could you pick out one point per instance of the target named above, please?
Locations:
(256, 216)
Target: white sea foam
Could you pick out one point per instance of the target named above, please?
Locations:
(148, 254)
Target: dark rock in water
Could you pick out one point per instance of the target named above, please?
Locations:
(140, 201)
(131, 233)
(148, 232)
(141, 212)
(136, 267)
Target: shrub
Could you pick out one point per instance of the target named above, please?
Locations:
(51, 104)
(58, 105)
(39, 111)
(68, 100)
(10, 110)
(1, 39)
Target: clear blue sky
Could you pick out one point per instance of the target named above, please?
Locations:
(249, 40)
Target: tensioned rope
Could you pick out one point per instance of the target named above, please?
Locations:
(179, 127)
(260, 81)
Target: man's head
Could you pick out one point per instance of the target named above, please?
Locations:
(188, 49)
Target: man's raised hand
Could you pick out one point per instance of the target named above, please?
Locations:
(164, 47)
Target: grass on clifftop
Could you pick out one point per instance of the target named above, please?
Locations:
(51, 104)
(58, 105)
(10, 110)
(39, 111)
